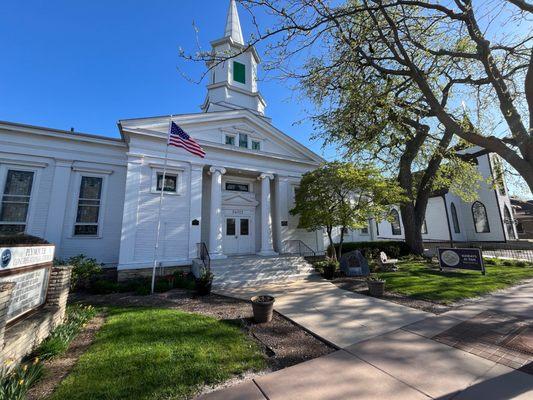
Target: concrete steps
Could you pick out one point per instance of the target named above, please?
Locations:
(237, 272)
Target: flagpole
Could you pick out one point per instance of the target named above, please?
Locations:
(160, 207)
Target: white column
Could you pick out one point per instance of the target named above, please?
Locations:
(58, 202)
(215, 215)
(266, 216)
(195, 216)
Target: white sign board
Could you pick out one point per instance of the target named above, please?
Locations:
(16, 257)
(29, 291)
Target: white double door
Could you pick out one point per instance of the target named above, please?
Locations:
(238, 234)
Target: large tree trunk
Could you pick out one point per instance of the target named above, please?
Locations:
(331, 248)
(412, 229)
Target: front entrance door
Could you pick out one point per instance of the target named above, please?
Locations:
(237, 235)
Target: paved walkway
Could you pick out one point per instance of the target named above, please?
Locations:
(387, 351)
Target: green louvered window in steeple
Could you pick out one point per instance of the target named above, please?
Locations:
(239, 72)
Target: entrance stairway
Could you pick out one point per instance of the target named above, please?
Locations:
(235, 272)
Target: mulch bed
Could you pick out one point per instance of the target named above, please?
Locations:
(285, 344)
(58, 368)
(358, 285)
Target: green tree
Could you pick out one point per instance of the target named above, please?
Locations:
(340, 194)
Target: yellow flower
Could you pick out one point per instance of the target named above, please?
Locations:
(36, 360)
(9, 361)
(21, 382)
(25, 368)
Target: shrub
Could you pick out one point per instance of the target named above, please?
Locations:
(371, 250)
(84, 271)
(58, 341)
(140, 286)
(104, 286)
(327, 268)
(14, 383)
(13, 240)
(184, 280)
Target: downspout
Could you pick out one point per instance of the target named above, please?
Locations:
(447, 220)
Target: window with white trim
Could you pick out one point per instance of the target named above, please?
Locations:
(230, 139)
(256, 145)
(243, 140)
(15, 201)
(89, 203)
(395, 222)
(171, 182)
(237, 187)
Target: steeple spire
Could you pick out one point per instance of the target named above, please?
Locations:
(233, 24)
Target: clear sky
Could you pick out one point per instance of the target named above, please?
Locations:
(87, 64)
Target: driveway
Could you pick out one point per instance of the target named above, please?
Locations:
(387, 351)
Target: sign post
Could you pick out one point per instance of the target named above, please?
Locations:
(471, 259)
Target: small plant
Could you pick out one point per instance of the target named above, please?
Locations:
(374, 278)
(204, 282)
(84, 271)
(376, 285)
(58, 341)
(15, 382)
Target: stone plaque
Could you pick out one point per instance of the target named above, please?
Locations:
(29, 292)
(15, 257)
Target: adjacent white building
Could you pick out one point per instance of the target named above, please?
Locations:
(448, 218)
(100, 196)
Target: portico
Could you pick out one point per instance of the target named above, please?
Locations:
(239, 213)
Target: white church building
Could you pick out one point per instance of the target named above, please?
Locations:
(99, 196)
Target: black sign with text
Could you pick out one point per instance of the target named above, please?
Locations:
(462, 259)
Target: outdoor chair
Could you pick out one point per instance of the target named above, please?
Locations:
(385, 263)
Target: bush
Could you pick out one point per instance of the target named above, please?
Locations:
(15, 383)
(84, 271)
(13, 240)
(104, 286)
(328, 268)
(58, 341)
(140, 286)
(371, 250)
(184, 280)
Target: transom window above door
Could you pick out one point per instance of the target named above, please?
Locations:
(237, 187)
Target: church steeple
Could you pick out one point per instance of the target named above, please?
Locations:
(233, 82)
(233, 24)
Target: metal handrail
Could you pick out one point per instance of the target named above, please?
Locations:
(203, 255)
(303, 249)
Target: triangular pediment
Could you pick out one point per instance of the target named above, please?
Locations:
(239, 200)
(210, 129)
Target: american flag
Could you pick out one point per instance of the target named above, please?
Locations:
(178, 138)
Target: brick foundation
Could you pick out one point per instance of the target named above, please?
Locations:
(21, 337)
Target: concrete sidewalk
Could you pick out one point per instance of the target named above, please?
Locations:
(397, 365)
(337, 316)
(387, 350)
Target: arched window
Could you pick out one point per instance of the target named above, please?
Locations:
(424, 228)
(509, 223)
(481, 220)
(395, 222)
(455, 220)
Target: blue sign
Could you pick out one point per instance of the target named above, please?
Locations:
(5, 258)
(461, 258)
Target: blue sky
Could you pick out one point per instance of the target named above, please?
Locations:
(87, 64)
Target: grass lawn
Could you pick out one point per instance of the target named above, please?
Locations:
(417, 280)
(143, 353)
